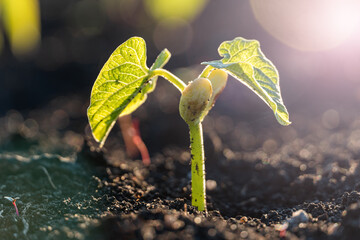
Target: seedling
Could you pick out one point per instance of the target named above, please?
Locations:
(13, 200)
(125, 80)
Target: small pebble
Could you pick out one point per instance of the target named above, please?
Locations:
(211, 185)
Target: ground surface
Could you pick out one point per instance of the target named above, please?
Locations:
(257, 182)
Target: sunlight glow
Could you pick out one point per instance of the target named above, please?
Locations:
(309, 25)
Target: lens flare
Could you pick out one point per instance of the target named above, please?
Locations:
(309, 25)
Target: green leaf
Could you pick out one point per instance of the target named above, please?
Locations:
(244, 60)
(140, 98)
(119, 82)
(122, 86)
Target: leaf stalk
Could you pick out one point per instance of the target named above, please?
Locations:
(177, 82)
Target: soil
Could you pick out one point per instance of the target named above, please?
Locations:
(261, 184)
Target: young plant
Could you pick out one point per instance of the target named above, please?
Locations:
(125, 80)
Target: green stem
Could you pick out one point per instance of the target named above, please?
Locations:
(197, 167)
(206, 72)
(177, 82)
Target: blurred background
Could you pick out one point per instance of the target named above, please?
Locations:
(52, 51)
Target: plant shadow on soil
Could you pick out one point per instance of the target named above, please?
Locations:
(105, 195)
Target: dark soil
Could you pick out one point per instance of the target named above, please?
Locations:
(255, 186)
(249, 195)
